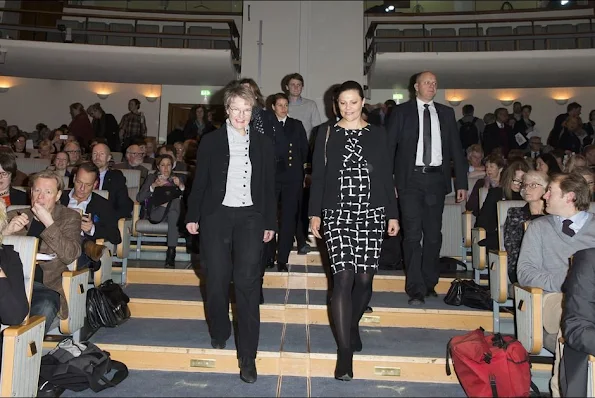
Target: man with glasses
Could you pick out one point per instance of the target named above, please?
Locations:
(134, 160)
(73, 150)
(98, 219)
(548, 244)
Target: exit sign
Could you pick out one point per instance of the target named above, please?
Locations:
(205, 92)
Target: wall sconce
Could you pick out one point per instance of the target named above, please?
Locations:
(102, 95)
(561, 101)
(151, 99)
(4, 89)
(507, 102)
(454, 102)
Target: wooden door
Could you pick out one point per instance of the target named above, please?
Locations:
(39, 19)
(178, 115)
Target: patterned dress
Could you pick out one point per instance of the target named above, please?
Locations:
(353, 232)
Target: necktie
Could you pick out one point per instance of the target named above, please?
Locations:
(566, 228)
(427, 158)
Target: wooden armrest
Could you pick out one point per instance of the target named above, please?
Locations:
(14, 331)
(100, 241)
(135, 217)
(532, 290)
(498, 252)
(72, 274)
(479, 229)
(468, 212)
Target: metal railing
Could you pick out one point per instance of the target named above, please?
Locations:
(372, 39)
(232, 36)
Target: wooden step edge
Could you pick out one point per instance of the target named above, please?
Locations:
(318, 315)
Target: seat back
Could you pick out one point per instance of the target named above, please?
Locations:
(132, 182)
(17, 207)
(591, 376)
(148, 166)
(102, 192)
(483, 194)
(117, 156)
(592, 207)
(31, 165)
(478, 253)
(529, 318)
(503, 207)
(26, 246)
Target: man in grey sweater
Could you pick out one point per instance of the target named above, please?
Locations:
(548, 244)
(302, 109)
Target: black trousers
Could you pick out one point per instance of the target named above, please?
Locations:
(230, 248)
(422, 204)
(288, 199)
(301, 234)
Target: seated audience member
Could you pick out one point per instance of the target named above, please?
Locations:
(98, 219)
(8, 171)
(171, 151)
(475, 157)
(133, 161)
(574, 162)
(43, 133)
(494, 167)
(73, 150)
(18, 144)
(533, 189)
(19, 179)
(546, 163)
(112, 181)
(190, 150)
(574, 138)
(12, 131)
(60, 165)
(498, 134)
(589, 152)
(179, 147)
(535, 147)
(58, 229)
(150, 145)
(589, 175)
(57, 138)
(169, 211)
(45, 150)
(509, 189)
(578, 324)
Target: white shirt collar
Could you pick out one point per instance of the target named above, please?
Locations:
(283, 120)
(578, 220)
(500, 124)
(420, 103)
(84, 202)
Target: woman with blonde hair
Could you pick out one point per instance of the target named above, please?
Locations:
(575, 162)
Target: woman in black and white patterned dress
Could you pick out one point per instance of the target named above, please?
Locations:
(353, 190)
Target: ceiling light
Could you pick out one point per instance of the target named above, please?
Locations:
(4, 89)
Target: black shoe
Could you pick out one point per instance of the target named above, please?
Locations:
(304, 249)
(282, 267)
(368, 310)
(356, 341)
(248, 370)
(170, 258)
(270, 264)
(344, 368)
(416, 300)
(431, 293)
(219, 345)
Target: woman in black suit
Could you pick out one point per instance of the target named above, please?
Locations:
(353, 193)
(233, 204)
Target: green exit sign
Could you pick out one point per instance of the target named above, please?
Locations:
(397, 96)
(205, 92)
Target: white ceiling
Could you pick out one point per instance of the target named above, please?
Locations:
(503, 69)
(84, 62)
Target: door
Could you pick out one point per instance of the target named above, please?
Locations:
(178, 115)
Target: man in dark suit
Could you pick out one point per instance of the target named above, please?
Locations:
(291, 159)
(112, 181)
(424, 138)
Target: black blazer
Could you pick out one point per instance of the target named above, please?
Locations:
(521, 127)
(106, 224)
(115, 182)
(14, 305)
(493, 140)
(18, 197)
(210, 180)
(403, 133)
(291, 150)
(107, 127)
(325, 177)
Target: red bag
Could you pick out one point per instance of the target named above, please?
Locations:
(490, 365)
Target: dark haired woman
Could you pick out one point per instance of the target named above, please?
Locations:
(353, 194)
(197, 123)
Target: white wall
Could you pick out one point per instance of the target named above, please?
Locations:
(32, 101)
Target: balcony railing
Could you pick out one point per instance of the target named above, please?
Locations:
(555, 33)
(193, 33)
(218, 7)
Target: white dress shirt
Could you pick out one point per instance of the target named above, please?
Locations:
(436, 135)
(74, 204)
(578, 220)
(238, 192)
(101, 178)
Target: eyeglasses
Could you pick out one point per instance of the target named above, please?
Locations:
(531, 185)
(517, 182)
(5, 174)
(236, 112)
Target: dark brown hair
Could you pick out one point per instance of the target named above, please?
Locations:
(574, 182)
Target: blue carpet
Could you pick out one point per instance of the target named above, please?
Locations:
(323, 387)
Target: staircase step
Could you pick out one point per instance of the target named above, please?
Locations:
(385, 281)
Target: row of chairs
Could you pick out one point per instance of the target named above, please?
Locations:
(95, 37)
(488, 45)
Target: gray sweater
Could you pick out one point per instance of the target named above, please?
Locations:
(543, 260)
(306, 112)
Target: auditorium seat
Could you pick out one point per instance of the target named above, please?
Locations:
(443, 46)
(530, 44)
(388, 47)
(529, 321)
(220, 44)
(22, 345)
(471, 46)
(132, 182)
(417, 46)
(173, 43)
(120, 40)
(586, 42)
(117, 157)
(561, 44)
(478, 253)
(500, 45)
(200, 43)
(93, 37)
(147, 41)
(30, 166)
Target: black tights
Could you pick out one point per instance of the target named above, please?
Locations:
(351, 295)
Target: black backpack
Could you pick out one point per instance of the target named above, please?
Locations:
(77, 367)
(469, 133)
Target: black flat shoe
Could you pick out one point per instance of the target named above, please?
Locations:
(219, 345)
(304, 250)
(431, 293)
(282, 267)
(344, 368)
(416, 300)
(248, 370)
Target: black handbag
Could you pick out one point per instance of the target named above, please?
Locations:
(161, 196)
(107, 306)
(468, 293)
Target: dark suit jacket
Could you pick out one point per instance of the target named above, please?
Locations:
(556, 131)
(578, 323)
(291, 150)
(492, 139)
(18, 197)
(403, 133)
(62, 238)
(210, 180)
(325, 176)
(14, 305)
(115, 182)
(106, 224)
(521, 127)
